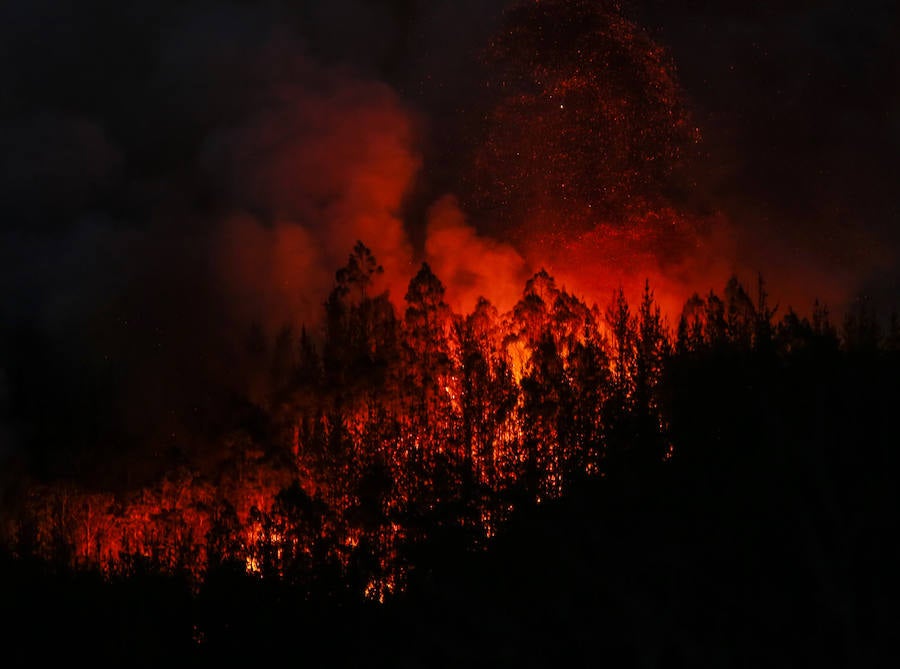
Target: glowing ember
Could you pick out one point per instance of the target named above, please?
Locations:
(588, 122)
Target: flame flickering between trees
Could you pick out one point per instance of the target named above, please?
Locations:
(420, 388)
(389, 427)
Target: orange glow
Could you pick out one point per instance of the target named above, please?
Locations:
(674, 251)
(471, 265)
(311, 172)
(456, 402)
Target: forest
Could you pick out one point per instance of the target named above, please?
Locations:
(561, 484)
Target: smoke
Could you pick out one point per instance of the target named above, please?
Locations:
(173, 173)
(307, 178)
(65, 162)
(799, 138)
(607, 166)
(148, 229)
(586, 119)
(6, 434)
(471, 265)
(678, 252)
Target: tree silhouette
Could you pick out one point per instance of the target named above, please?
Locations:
(740, 316)
(398, 458)
(429, 374)
(861, 331)
(360, 329)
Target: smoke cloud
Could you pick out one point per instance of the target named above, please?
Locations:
(469, 264)
(309, 177)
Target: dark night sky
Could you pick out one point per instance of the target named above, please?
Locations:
(799, 102)
(113, 119)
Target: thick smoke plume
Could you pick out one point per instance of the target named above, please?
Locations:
(470, 264)
(306, 179)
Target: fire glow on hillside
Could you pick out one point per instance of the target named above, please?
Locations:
(400, 424)
(411, 389)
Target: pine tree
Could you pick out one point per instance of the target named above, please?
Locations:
(623, 339)
(740, 315)
(428, 372)
(861, 331)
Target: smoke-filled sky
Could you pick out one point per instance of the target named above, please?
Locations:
(172, 171)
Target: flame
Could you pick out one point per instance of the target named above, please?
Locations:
(519, 384)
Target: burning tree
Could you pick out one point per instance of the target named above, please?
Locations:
(385, 429)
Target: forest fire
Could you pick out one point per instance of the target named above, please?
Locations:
(521, 345)
(390, 414)
(392, 425)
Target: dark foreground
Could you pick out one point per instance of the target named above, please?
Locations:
(767, 542)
